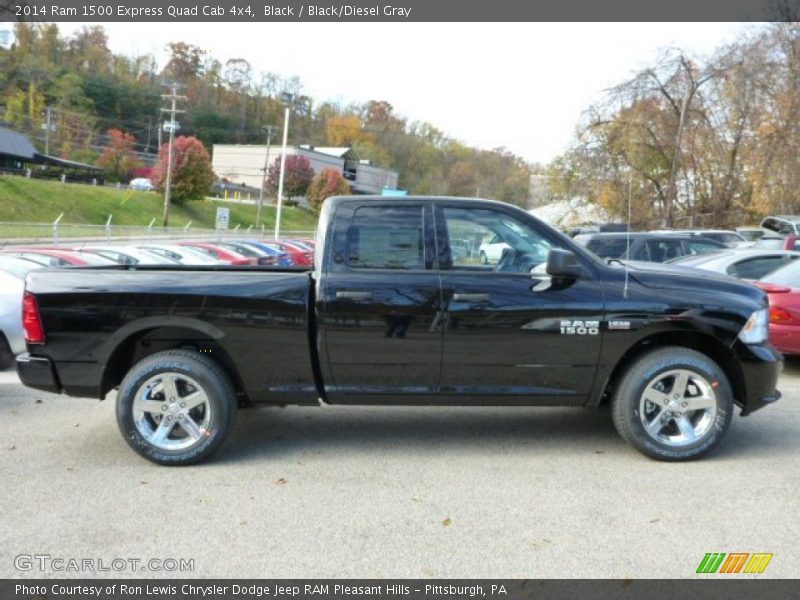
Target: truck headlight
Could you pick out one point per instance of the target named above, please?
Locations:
(756, 330)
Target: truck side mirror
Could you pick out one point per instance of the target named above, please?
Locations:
(563, 263)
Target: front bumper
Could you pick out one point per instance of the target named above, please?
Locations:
(761, 366)
(37, 373)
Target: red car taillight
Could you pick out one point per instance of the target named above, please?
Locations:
(31, 321)
(777, 314)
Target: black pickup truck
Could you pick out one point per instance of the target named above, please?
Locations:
(400, 308)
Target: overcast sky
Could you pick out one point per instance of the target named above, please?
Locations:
(518, 85)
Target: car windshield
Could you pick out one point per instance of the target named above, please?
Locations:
(301, 245)
(243, 249)
(788, 275)
(94, 259)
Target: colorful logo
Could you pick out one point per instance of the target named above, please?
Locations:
(734, 562)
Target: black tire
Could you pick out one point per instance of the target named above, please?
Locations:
(669, 442)
(484, 258)
(188, 371)
(6, 355)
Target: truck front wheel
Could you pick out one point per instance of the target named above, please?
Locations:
(176, 407)
(673, 404)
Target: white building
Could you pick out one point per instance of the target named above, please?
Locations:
(244, 164)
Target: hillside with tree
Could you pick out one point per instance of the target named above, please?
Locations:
(104, 108)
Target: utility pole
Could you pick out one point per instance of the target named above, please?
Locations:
(173, 98)
(268, 129)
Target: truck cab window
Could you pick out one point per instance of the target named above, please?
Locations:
(387, 237)
(487, 240)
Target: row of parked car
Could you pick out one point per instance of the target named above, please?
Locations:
(763, 256)
(17, 262)
(285, 253)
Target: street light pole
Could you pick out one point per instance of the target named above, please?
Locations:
(269, 129)
(283, 169)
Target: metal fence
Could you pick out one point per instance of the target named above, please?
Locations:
(71, 234)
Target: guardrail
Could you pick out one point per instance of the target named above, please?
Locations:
(72, 234)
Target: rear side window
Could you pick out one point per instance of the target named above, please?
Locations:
(664, 250)
(702, 248)
(609, 247)
(387, 237)
(756, 268)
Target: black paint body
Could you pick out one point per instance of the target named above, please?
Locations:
(394, 336)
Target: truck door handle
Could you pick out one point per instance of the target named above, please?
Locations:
(353, 295)
(470, 297)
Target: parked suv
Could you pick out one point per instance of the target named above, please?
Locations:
(650, 247)
(784, 224)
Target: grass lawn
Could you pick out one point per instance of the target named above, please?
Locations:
(33, 201)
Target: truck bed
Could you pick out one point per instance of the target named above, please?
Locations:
(254, 317)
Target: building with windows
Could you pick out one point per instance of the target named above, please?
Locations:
(244, 164)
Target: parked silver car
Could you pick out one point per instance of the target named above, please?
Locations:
(12, 285)
(181, 254)
(746, 263)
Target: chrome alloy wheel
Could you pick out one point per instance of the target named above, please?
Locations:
(172, 411)
(678, 407)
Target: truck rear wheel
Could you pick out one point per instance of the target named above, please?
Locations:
(176, 407)
(673, 404)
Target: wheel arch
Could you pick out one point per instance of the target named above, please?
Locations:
(140, 342)
(706, 344)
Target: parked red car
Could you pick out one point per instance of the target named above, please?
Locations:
(783, 288)
(225, 254)
(301, 255)
(59, 257)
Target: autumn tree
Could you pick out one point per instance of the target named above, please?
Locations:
(185, 61)
(326, 183)
(192, 176)
(297, 175)
(118, 157)
(345, 130)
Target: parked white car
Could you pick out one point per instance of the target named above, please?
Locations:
(182, 254)
(492, 251)
(141, 184)
(13, 271)
(130, 255)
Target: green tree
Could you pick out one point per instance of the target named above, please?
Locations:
(192, 176)
(326, 183)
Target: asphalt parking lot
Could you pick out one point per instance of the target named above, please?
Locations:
(396, 492)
